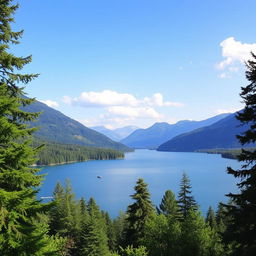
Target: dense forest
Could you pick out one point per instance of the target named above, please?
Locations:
(232, 153)
(175, 227)
(55, 153)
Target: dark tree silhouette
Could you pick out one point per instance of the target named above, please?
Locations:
(243, 209)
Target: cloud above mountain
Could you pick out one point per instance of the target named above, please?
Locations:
(121, 108)
(50, 103)
(108, 98)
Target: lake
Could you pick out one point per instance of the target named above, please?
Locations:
(160, 170)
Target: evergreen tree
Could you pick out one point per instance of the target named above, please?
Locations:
(197, 238)
(186, 200)
(65, 216)
(210, 218)
(138, 213)
(169, 205)
(110, 231)
(57, 210)
(162, 236)
(130, 251)
(119, 226)
(243, 211)
(20, 232)
(94, 240)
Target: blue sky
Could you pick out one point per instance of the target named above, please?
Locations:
(137, 62)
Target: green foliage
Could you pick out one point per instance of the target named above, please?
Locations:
(242, 228)
(55, 153)
(89, 231)
(210, 219)
(64, 213)
(94, 240)
(162, 236)
(21, 232)
(119, 226)
(130, 251)
(138, 213)
(111, 232)
(186, 201)
(53, 122)
(169, 205)
(197, 237)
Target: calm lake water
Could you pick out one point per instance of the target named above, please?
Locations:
(160, 170)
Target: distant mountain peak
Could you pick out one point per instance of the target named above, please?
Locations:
(220, 134)
(160, 132)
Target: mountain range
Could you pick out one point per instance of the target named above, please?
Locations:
(221, 134)
(57, 127)
(116, 134)
(159, 133)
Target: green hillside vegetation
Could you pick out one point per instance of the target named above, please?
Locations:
(231, 153)
(175, 228)
(55, 153)
(57, 127)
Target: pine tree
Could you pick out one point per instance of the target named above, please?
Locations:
(162, 235)
(169, 205)
(138, 213)
(20, 233)
(94, 240)
(57, 210)
(110, 231)
(210, 218)
(197, 238)
(243, 211)
(119, 226)
(65, 216)
(186, 201)
(130, 251)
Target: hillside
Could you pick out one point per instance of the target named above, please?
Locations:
(159, 133)
(55, 153)
(57, 127)
(218, 135)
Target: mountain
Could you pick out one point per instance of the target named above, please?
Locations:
(125, 131)
(107, 132)
(221, 134)
(159, 133)
(116, 134)
(56, 127)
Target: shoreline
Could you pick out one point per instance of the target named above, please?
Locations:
(71, 162)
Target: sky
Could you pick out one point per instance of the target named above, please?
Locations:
(137, 62)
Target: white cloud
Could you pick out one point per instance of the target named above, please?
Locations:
(235, 52)
(108, 98)
(50, 103)
(158, 100)
(134, 112)
(102, 99)
(119, 109)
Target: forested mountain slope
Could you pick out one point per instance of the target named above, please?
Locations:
(57, 127)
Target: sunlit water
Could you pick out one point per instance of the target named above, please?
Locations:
(160, 170)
